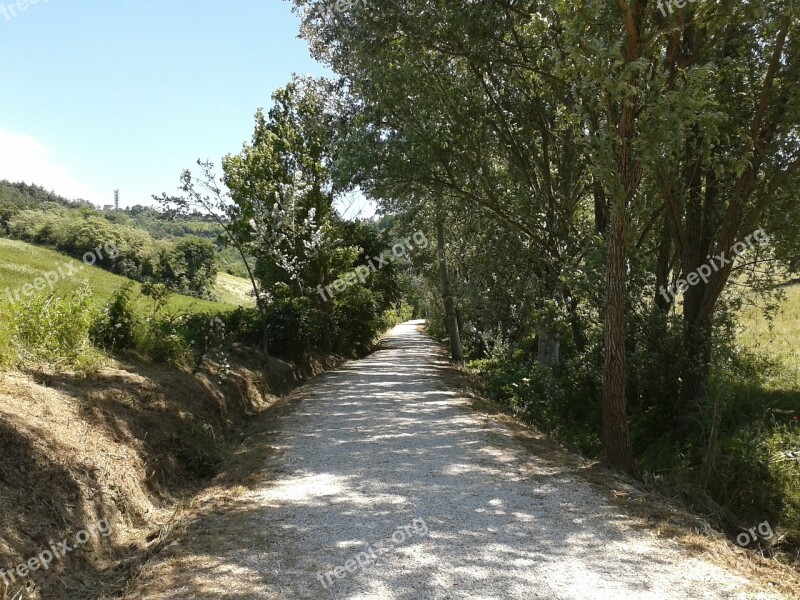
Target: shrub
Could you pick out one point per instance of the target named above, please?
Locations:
(115, 328)
(399, 314)
(244, 324)
(54, 329)
(563, 402)
(356, 320)
(206, 334)
(160, 337)
(292, 326)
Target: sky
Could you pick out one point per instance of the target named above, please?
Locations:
(98, 95)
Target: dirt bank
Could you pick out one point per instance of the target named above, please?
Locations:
(131, 446)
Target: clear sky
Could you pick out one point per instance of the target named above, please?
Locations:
(104, 94)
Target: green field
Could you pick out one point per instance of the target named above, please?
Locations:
(777, 338)
(234, 290)
(22, 264)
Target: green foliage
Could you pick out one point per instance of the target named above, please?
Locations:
(53, 329)
(160, 336)
(162, 342)
(564, 403)
(21, 263)
(116, 326)
(189, 266)
(356, 320)
(16, 197)
(749, 476)
(398, 314)
(293, 326)
(207, 335)
(244, 324)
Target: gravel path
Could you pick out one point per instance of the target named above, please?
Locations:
(385, 473)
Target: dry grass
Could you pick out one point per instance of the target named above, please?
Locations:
(129, 445)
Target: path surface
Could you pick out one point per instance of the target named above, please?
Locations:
(380, 442)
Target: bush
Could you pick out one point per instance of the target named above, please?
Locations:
(115, 328)
(356, 321)
(399, 314)
(749, 476)
(53, 329)
(562, 402)
(160, 337)
(244, 324)
(293, 325)
(206, 334)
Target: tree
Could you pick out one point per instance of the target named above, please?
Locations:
(207, 195)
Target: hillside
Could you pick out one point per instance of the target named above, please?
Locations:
(184, 252)
(21, 263)
(777, 336)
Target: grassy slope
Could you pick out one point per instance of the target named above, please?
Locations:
(777, 338)
(21, 263)
(234, 290)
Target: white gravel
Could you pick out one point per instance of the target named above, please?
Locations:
(382, 441)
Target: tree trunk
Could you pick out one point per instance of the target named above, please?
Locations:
(578, 334)
(696, 325)
(663, 299)
(262, 313)
(616, 438)
(450, 317)
(697, 369)
(326, 306)
(265, 340)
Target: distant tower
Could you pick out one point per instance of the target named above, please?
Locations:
(116, 199)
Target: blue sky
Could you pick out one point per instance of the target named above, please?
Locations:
(97, 95)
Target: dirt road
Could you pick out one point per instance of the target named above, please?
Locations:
(384, 484)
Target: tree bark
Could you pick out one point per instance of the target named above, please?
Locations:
(616, 438)
(450, 317)
(578, 334)
(697, 369)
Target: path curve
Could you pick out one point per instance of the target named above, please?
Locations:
(385, 472)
